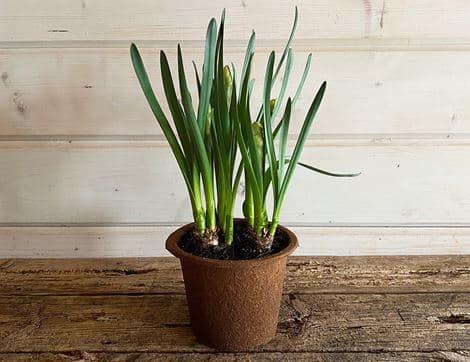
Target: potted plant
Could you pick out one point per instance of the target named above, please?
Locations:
(233, 269)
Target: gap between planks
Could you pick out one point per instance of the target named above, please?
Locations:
(226, 357)
(319, 44)
(308, 323)
(364, 138)
(305, 275)
(157, 141)
(81, 240)
(425, 320)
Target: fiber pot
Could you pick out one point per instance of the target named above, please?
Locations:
(233, 304)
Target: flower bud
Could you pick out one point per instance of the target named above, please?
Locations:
(207, 125)
(228, 81)
(257, 129)
(272, 104)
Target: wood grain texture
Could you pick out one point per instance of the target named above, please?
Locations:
(308, 322)
(140, 241)
(55, 20)
(135, 181)
(348, 309)
(391, 274)
(83, 356)
(72, 92)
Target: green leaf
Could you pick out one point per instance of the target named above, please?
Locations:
(267, 127)
(302, 137)
(184, 90)
(285, 81)
(248, 57)
(207, 73)
(244, 120)
(175, 107)
(220, 94)
(198, 80)
(302, 80)
(247, 162)
(284, 136)
(159, 115)
(286, 48)
(327, 173)
(297, 93)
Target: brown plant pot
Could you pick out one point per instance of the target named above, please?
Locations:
(233, 304)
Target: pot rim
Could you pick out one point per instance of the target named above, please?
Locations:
(173, 239)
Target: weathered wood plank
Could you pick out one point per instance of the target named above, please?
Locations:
(135, 181)
(147, 19)
(308, 323)
(94, 91)
(149, 241)
(392, 274)
(83, 356)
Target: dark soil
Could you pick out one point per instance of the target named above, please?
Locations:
(244, 245)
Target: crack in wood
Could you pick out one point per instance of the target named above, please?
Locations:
(177, 325)
(453, 273)
(34, 323)
(455, 319)
(104, 272)
(401, 316)
(381, 23)
(4, 77)
(298, 316)
(6, 264)
(20, 105)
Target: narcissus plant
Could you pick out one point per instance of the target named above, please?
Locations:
(218, 140)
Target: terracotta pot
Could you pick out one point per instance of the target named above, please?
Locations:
(233, 304)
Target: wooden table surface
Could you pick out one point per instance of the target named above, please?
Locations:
(334, 309)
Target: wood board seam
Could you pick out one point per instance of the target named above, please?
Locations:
(318, 44)
(260, 352)
(313, 225)
(377, 137)
(377, 291)
(313, 141)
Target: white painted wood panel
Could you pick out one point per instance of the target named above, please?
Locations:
(56, 20)
(396, 108)
(136, 241)
(95, 92)
(403, 182)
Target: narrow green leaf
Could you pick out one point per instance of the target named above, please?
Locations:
(198, 80)
(159, 115)
(285, 81)
(207, 73)
(247, 162)
(220, 94)
(283, 140)
(246, 125)
(248, 55)
(297, 93)
(245, 89)
(302, 79)
(184, 90)
(175, 106)
(301, 140)
(236, 181)
(286, 48)
(327, 173)
(267, 127)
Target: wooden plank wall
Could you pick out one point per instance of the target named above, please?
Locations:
(84, 170)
